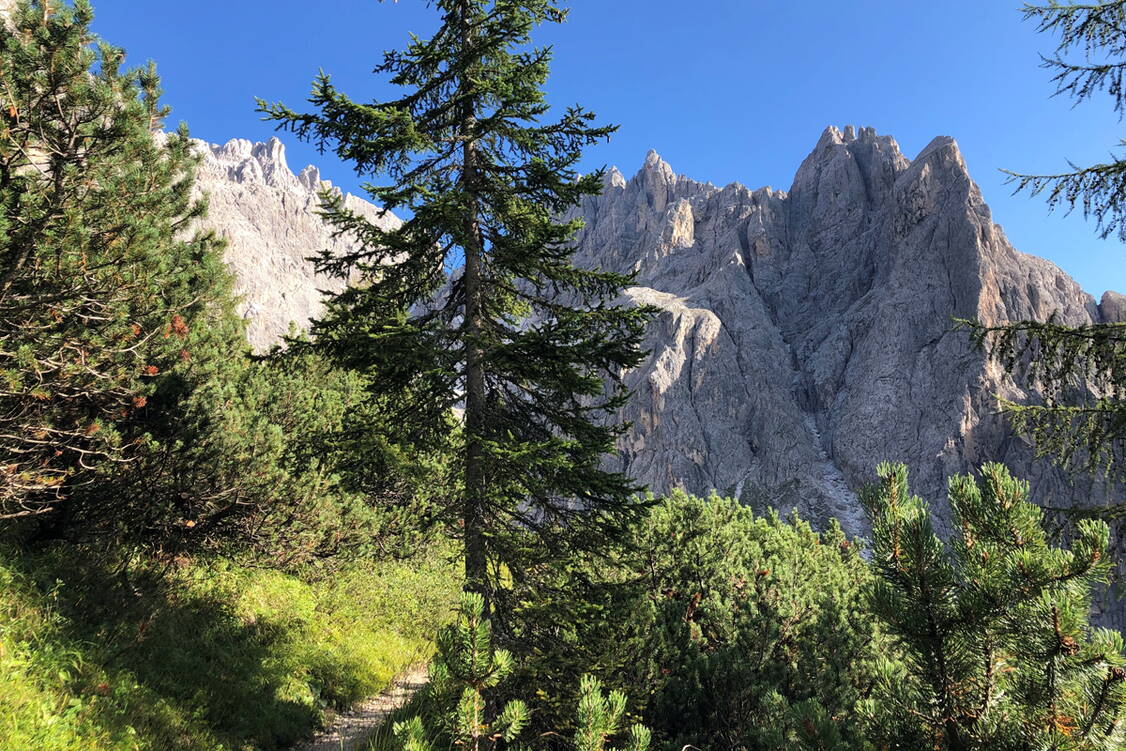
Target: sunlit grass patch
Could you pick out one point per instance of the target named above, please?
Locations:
(208, 656)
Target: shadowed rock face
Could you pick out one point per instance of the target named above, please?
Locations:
(269, 217)
(806, 336)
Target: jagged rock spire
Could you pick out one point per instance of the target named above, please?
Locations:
(269, 217)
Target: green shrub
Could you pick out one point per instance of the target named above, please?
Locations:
(726, 630)
(105, 298)
(994, 625)
(456, 711)
(132, 409)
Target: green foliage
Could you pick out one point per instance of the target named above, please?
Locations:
(524, 337)
(993, 626)
(131, 410)
(467, 667)
(600, 717)
(206, 657)
(1081, 374)
(104, 295)
(724, 629)
(256, 459)
(1097, 31)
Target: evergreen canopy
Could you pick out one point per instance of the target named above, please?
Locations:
(1081, 422)
(103, 292)
(993, 627)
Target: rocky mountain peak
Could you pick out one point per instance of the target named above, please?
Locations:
(942, 159)
(262, 163)
(269, 217)
(613, 178)
(806, 336)
(1112, 307)
(658, 181)
(846, 166)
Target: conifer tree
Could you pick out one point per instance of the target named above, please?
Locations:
(467, 666)
(104, 295)
(993, 627)
(1081, 423)
(519, 335)
(130, 406)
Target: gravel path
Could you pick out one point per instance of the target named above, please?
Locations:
(350, 729)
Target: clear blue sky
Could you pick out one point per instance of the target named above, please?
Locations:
(725, 90)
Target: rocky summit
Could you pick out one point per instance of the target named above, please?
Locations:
(805, 336)
(269, 217)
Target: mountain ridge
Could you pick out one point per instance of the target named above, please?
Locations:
(812, 327)
(803, 335)
(269, 217)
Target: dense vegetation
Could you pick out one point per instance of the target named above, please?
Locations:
(199, 546)
(724, 629)
(202, 549)
(993, 626)
(200, 655)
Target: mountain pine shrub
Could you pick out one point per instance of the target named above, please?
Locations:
(993, 626)
(255, 460)
(468, 666)
(131, 410)
(104, 294)
(724, 629)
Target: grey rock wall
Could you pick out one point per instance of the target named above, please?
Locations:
(268, 215)
(806, 336)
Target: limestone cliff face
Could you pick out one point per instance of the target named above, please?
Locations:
(806, 336)
(269, 217)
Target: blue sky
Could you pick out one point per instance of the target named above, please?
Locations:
(725, 90)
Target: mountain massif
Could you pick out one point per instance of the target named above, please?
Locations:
(803, 336)
(806, 336)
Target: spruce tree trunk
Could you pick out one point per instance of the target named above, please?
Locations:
(476, 559)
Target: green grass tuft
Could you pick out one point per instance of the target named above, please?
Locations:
(204, 656)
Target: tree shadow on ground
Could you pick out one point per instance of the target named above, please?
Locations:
(176, 663)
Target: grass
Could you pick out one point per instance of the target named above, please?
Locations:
(204, 656)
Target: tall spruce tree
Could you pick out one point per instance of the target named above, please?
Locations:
(1081, 422)
(104, 295)
(520, 335)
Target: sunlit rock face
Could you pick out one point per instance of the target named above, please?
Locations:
(269, 217)
(805, 336)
